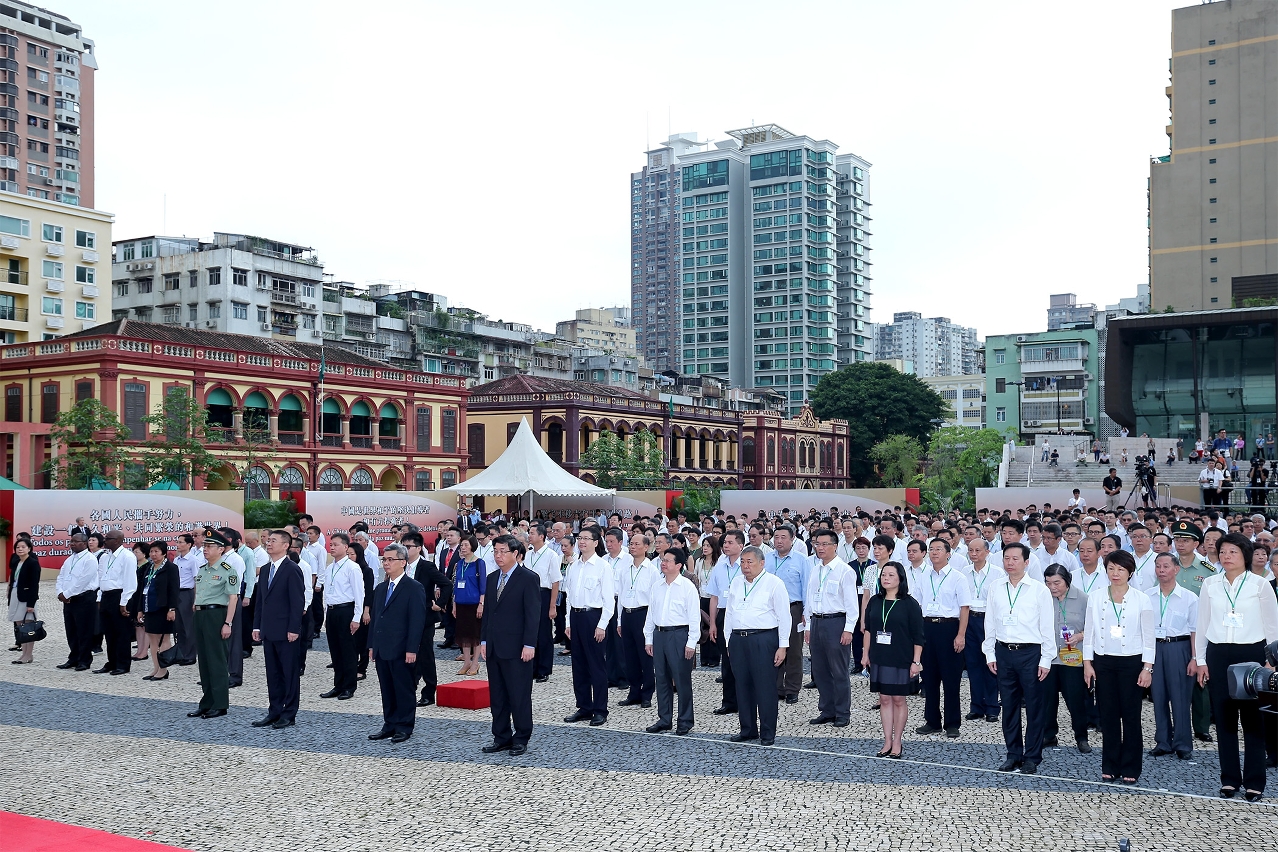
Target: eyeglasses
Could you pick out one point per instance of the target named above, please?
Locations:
(386, 559)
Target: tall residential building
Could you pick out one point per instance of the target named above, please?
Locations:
(1064, 310)
(46, 106)
(934, 345)
(1213, 219)
(605, 329)
(654, 252)
(237, 283)
(774, 229)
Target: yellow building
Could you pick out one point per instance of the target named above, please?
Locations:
(599, 328)
(55, 268)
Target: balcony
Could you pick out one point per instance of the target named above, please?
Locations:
(362, 441)
(221, 435)
(12, 314)
(390, 443)
(293, 439)
(331, 441)
(14, 276)
(284, 298)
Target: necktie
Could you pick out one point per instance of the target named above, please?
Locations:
(270, 578)
(390, 588)
(501, 584)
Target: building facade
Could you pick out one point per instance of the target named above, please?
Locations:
(965, 395)
(362, 425)
(1043, 383)
(1212, 215)
(237, 283)
(784, 454)
(50, 257)
(774, 227)
(605, 329)
(1064, 310)
(46, 106)
(935, 346)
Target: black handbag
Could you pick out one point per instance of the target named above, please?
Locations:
(29, 630)
(169, 657)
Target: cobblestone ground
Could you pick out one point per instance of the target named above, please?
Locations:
(118, 753)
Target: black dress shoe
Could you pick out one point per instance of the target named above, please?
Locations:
(682, 732)
(952, 733)
(383, 735)
(972, 717)
(1049, 742)
(518, 749)
(723, 710)
(329, 666)
(1185, 755)
(332, 693)
(810, 685)
(345, 696)
(118, 672)
(66, 666)
(1084, 747)
(645, 705)
(927, 729)
(82, 668)
(1206, 738)
(719, 679)
(821, 720)
(400, 737)
(993, 717)
(598, 719)
(579, 716)
(1158, 752)
(792, 699)
(767, 741)
(280, 724)
(742, 738)
(628, 702)
(657, 728)
(425, 702)
(263, 722)
(104, 670)
(1008, 765)
(214, 714)
(494, 747)
(195, 714)
(233, 684)
(841, 724)
(541, 679)
(1028, 768)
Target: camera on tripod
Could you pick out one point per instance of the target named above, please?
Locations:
(1254, 682)
(1142, 467)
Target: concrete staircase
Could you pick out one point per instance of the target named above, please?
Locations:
(1026, 469)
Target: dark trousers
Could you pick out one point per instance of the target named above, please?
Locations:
(246, 627)
(424, 670)
(317, 611)
(1173, 693)
(790, 674)
(858, 641)
(1200, 709)
(210, 653)
(545, 659)
(361, 648)
(614, 657)
(510, 694)
(672, 668)
(283, 677)
(639, 669)
(709, 650)
(829, 668)
(449, 624)
(77, 616)
(725, 665)
(235, 647)
(561, 620)
(942, 666)
(1066, 681)
(1018, 687)
(396, 679)
(117, 631)
(184, 626)
(756, 681)
(1118, 701)
(1228, 713)
(341, 646)
(589, 678)
(306, 640)
(981, 682)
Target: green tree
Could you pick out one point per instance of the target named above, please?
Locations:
(898, 457)
(877, 400)
(254, 449)
(269, 514)
(698, 500)
(634, 463)
(89, 441)
(177, 449)
(960, 460)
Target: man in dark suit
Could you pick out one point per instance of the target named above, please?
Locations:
(394, 637)
(277, 623)
(508, 634)
(447, 562)
(439, 590)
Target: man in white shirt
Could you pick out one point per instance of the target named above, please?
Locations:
(234, 556)
(981, 576)
(1053, 549)
(77, 587)
(915, 566)
(1019, 647)
(1010, 532)
(943, 593)
(757, 627)
(1077, 501)
(1172, 688)
(343, 584)
(592, 598)
(1091, 573)
(618, 561)
(544, 560)
(316, 545)
(830, 609)
(847, 550)
(634, 591)
(1145, 578)
(721, 576)
(671, 629)
(117, 581)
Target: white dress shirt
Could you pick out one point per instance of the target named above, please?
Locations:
(119, 572)
(545, 564)
(1119, 629)
(914, 576)
(673, 604)
(79, 574)
(1020, 614)
(592, 587)
(260, 556)
(343, 583)
(309, 572)
(1143, 577)
(1175, 614)
(1088, 583)
(979, 584)
(635, 586)
(374, 560)
(319, 553)
(942, 594)
(831, 589)
(617, 564)
(1062, 556)
(189, 566)
(846, 551)
(761, 605)
(1242, 612)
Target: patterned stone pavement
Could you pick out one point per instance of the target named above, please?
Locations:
(118, 753)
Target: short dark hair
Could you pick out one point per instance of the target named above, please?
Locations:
(1019, 526)
(940, 541)
(513, 544)
(1057, 570)
(162, 545)
(737, 534)
(826, 533)
(884, 541)
(342, 537)
(413, 538)
(1123, 558)
(1020, 546)
(1241, 542)
(914, 542)
(680, 555)
(901, 574)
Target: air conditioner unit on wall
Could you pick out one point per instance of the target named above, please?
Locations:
(1021, 338)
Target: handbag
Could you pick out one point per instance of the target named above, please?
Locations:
(169, 657)
(916, 684)
(29, 630)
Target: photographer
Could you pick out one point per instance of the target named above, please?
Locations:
(1257, 480)
(1237, 615)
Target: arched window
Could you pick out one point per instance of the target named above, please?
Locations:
(772, 452)
(291, 480)
(555, 442)
(330, 480)
(257, 484)
(332, 423)
(361, 480)
(747, 452)
(290, 422)
(839, 454)
(257, 414)
(220, 406)
(361, 426)
(388, 429)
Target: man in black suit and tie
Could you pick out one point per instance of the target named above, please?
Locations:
(439, 591)
(447, 562)
(508, 634)
(394, 637)
(277, 623)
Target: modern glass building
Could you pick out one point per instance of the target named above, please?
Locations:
(1188, 374)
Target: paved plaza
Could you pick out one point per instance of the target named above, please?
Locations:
(119, 754)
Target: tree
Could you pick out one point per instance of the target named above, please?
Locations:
(269, 514)
(177, 449)
(877, 400)
(897, 457)
(634, 463)
(254, 449)
(960, 460)
(91, 439)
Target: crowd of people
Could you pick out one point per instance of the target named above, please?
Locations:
(1098, 610)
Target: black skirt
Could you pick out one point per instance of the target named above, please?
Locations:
(890, 680)
(157, 622)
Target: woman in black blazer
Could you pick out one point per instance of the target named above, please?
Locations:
(24, 590)
(136, 605)
(160, 601)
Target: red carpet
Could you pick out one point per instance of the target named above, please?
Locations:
(39, 835)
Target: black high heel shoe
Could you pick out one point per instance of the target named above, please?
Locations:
(1228, 792)
(884, 753)
(1253, 795)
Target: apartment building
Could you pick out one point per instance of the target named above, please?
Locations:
(605, 329)
(934, 346)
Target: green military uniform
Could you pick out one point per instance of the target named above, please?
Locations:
(214, 586)
(1191, 577)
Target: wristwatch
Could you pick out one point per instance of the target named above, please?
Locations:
(226, 624)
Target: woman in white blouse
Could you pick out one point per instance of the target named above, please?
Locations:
(1118, 659)
(1237, 616)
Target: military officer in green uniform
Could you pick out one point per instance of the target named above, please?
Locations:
(217, 592)
(1193, 570)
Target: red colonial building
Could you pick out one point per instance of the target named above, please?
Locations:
(779, 454)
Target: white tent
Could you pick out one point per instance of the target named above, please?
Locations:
(525, 468)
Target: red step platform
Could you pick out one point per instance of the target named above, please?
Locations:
(466, 694)
(38, 835)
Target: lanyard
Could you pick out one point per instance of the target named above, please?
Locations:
(1118, 613)
(732, 575)
(1087, 589)
(747, 588)
(337, 566)
(885, 610)
(635, 571)
(1144, 562)
(931, 578)
(821, 578)
(537, 558)
(1011, 601)
(1162, 605)
(1061, 607)
(981, 585)
(1233, 600)
(781, 562)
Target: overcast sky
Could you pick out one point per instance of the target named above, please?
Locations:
(482, 150)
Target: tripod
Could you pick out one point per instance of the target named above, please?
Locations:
(1142, 482)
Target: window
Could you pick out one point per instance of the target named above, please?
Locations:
(447, 478)
(1211, 121)
(215, 276)
(1211, 82)
(421, 481)
(127, 252)
(330, 480)
(1212, 221)
(135, 410)
(86, 239)
(86, 310)
(1212, 260)
(122, 288)
(17, 227)
(1211, 41)
(215, 310)
(423, 430)
(1211, 180)
(1211, 62)
(172, 281)
(261, 315)
(52, 269)
(52, 306)
(1000, 386)
(147, 248)
(13, 404)
(51, 233)
(145, 285)
(1212, 101)
(239, 310)
(239, 277)
(83, 391)
(193, 278)
(1000, 415)
(1211, 201)
(1211, 141)
(449, 419)
(85, 275)
(475, 443)
(1212, 161)
(1213, 280)
(1212, 240)
(171, 314)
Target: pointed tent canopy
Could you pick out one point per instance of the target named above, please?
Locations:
(10, 485)
(165, 485)
(100, 484)
(524, 467)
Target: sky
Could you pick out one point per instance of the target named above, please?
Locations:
(482, 150)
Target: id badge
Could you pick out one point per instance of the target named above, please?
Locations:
(883, 638)
(1116, 631)
(860, 590)
(1233, 619)
(934, 608)
(461, 584)
(1160, 632)
(1009, 620)
(631, 595)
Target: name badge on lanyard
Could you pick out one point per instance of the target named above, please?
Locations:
(883, 637)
